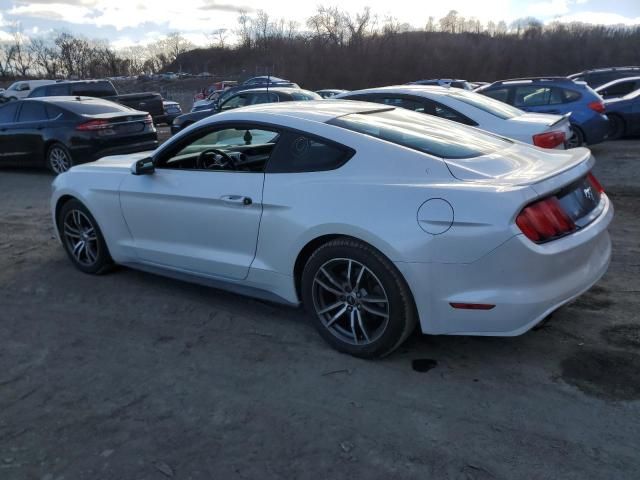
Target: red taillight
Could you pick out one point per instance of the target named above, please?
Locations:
(93, 125)
(544, 220)
(596, 184)
(549, 139)
(597, 106)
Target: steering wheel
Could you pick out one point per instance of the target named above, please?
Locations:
(214, 158)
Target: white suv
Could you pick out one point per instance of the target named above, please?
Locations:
(21, 89)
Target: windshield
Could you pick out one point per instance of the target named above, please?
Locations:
(424, 133)
(487, 104)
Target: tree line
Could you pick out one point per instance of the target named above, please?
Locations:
(334, 48)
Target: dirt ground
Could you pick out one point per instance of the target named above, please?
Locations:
(134, 376)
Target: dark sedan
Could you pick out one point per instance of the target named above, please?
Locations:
(59, 132)
(244, 98)
(624, 115)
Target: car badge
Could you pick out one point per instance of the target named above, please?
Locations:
(588, 193)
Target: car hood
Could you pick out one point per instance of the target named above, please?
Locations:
(519, 164)
(114, 162)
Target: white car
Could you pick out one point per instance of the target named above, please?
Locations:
(540, 129)
(375, 218)
(22, 89)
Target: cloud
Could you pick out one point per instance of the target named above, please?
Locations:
(599, 18)
(223, 7)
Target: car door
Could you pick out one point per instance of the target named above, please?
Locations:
(29, 129)
(201, 220)
(9, 151)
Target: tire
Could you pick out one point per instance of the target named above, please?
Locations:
(577, 140)
(616, 127)
(344, 311)
(77, 226)
(59, 159)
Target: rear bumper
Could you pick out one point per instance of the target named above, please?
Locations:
(525, 282)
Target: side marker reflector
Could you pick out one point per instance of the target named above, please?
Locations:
(472, 306)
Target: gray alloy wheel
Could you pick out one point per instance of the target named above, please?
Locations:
(80, 238)
(350, 301)
(59, 159)
(577, 140)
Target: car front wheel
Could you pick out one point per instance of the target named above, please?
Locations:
(357, 299)
(82, 238)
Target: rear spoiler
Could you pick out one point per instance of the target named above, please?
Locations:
(562, 118)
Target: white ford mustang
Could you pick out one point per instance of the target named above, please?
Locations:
(375, 218)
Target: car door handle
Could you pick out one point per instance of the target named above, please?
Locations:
(237, 200)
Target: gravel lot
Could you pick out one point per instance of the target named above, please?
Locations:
(134, 376)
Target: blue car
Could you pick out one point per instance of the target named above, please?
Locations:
(624, 115)
(557, 95)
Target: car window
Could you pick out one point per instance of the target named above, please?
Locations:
(8, 112)
(37, 92)
(533, 96)
(401, 102)
(93, 107)
(306, 95)
(60, 90)
(424, 133)
(442, 111)
(32, 112)
(571, 96)
(298, 152)
(262, 97)
(619, 89)
(239, 148)
(235, 102)
(501, 94)
(489, 105)
(93, 89)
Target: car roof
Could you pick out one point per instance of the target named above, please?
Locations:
(271, 89)
(607, 69)
(312, 110)
(405, 89)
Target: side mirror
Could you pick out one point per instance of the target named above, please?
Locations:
(143, 167)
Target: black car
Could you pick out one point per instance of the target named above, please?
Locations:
(600, 76)
(149, 102)
(172, 110)
(59, 132)
(244, 98)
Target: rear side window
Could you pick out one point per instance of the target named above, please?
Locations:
(8, 112)
(489, 105)
(423, 133)
(37, 92)
(571, 96)
(93, 89)
(57, 90)
(442, 111)
(501, 94)
(88, 107)
(32, 112)
(305, 96)
(297, 152)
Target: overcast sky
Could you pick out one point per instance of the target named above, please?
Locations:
(125, 22)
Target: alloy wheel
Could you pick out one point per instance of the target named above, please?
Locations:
(59, 160)
(350, 301)
(80, 237)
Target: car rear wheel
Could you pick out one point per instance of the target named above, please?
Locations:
(82, 238)
(577, 139)
(616, 127)
(357, 299)
(59, 159)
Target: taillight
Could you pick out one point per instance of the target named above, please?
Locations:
(597, 106)
(93, 125)
(544, 220)
(596, 184)
(549, 139)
